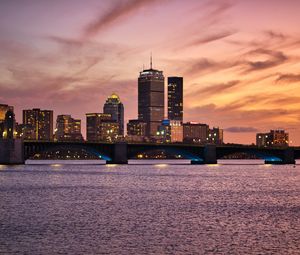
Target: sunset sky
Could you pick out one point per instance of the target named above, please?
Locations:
(240, 59)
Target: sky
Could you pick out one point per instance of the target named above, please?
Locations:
(240, 59)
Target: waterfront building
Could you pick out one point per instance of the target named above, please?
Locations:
(41, 122)
(274, 138)
(101, 127)
(170, 131)
(115, 108)
(9, 125)
(194, 132)
(215, 136)
(7, 121)
(25, 131)
(151, 99)
(175, 98)
(67, 129)
(136, 130)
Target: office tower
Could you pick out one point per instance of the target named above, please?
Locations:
(136, 130)
(171, 131)
(215, 136)
(175, 98)
(275, 138)
(5, 120)
(41, 121)
(194, 132)
(67, 129)
(115, 108)
(101, 127)
(151, 99)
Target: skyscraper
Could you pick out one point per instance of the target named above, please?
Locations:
(151, 99)
(41, 121)
(175, 98)
(115, 108)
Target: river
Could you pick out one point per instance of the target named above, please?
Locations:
(150, 209)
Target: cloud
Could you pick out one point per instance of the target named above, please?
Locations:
(275, 58)
(215, 89)
(288, 78)
(119, 11)
(68, 42)
(275, 35)
(209, 38)
(241, 129)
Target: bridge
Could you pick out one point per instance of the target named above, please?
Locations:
(17, 151)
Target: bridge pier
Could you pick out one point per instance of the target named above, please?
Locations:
(209, 156)
(119, 154)
(11, 151)
(288, 158)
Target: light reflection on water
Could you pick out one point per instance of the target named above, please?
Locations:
(150, 209)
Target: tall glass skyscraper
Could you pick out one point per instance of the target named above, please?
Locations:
(175, 98)
(151, 99)
(115, 108)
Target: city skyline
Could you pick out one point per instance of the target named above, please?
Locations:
(242, 77)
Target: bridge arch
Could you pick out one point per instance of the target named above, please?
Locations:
(275, 156)
(176, 152)
(62, 149)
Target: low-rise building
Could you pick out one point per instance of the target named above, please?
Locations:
(194, 132)
(101, 127)
(67, 129)
(275, 138)
(215, 136)
(170, 131)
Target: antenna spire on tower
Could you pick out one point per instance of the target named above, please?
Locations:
(151, 60)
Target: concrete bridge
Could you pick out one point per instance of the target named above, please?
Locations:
(17, 151)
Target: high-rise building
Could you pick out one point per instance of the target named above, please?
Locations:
(175, 98)
(41, 121)
(215, 136)
(115, 108)
(194, 132)
(101, 127)
(151, 99)
(171, 131)
(275, 138)
(67, 129)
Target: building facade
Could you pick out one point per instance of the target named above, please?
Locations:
(175, 98)
(151, 99)
(275, 138)
(67, 129)
(215, 136)
(194, 132)
(41, 122)
(136, 130)
(170, 131)
(100, 127)
(115, 108)
(7, 122)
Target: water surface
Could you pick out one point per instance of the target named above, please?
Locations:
(149, 209)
